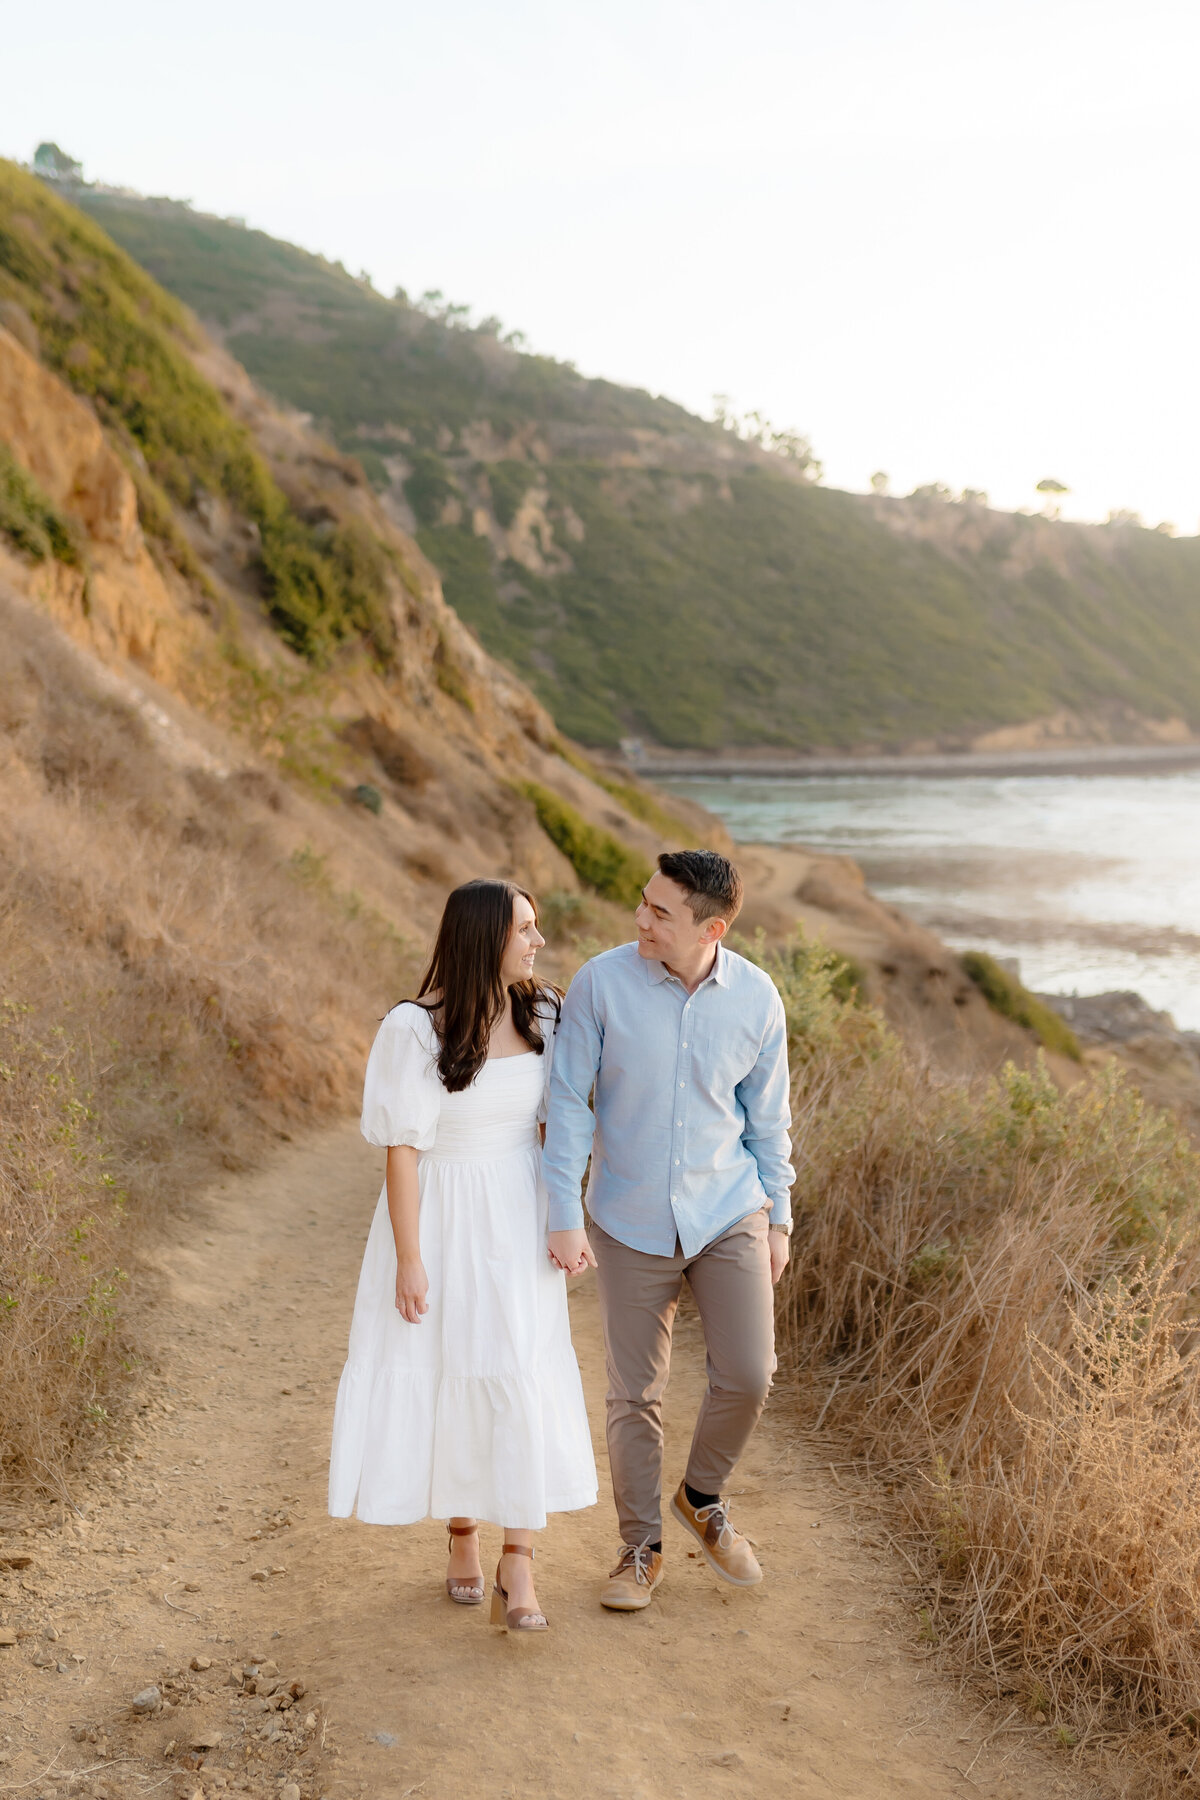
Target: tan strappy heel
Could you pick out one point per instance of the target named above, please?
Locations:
(470, 1587)
(519, 1619)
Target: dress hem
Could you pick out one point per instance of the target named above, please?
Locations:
(488, 1516)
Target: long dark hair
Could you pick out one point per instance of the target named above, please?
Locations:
(464, 974)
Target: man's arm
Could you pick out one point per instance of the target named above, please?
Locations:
(570, 1123)
(766, 1101)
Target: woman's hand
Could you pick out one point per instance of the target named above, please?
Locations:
(570, 1251)
(412, 1286)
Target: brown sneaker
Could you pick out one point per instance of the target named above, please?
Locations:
(634, 1579)
(725, 1549)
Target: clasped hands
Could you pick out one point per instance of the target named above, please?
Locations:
(567, 1250)
(570, 1251)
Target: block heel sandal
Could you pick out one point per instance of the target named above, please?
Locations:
(521, 1618)
(466, 1590)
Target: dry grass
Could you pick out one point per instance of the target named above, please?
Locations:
(992, 1302)
(173, 989)
(1083, 1549)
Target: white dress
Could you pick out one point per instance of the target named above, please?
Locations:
(478, 1411)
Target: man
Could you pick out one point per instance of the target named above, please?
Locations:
(686, 1048)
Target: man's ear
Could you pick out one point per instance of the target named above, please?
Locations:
(714, 930)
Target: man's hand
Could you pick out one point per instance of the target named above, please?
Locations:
(412, 1287)
(570, 1251)
(780, 1245)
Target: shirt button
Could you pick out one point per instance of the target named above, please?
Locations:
(683, 1084)
(679, 1121)
(685, 1043)
(676, 1162)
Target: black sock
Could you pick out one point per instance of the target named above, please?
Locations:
(694, 1499)
(657, 1548)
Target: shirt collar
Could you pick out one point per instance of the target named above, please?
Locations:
(658, 972)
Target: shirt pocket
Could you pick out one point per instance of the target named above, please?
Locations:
(725, 1050)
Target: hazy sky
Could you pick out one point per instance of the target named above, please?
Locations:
(953, 241)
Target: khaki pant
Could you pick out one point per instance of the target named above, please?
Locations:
(730, 1281)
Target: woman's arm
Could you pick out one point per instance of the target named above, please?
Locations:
(403, 1198)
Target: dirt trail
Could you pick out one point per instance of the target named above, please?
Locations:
(804, 1686)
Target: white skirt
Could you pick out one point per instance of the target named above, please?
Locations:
(478, 1411)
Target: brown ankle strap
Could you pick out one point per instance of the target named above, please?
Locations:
(462, 1530)
(515, 1550)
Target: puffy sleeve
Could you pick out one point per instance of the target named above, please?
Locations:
(402, 1095)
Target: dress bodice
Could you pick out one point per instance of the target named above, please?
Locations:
(405, 1103)
(496, 1115)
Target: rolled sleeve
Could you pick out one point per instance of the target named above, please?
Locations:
(765, 1097)
(570, 1124)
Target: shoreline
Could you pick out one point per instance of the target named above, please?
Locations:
(1084, 759)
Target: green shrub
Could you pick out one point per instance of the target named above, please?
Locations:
(160, 525)
(428, 487)
(113, 335)
(1005, 995)
(448, 673)
(598, 858)
(819, 988)
(29, 520)
(325, 586)
(374, 468)
(849, 980)
(637, 801)
(465, 564)
(509, 483)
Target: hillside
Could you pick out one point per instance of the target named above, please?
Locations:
(245, 748)
(650, 573)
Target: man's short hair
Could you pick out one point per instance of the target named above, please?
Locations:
(710, 881)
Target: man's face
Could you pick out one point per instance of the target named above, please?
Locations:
(667, 932)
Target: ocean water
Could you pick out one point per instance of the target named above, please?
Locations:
(1091, 881)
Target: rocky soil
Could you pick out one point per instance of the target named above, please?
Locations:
(189, 1622)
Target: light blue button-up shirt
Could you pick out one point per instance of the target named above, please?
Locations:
(690, 1130)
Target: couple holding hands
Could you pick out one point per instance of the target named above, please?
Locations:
(666, 1064)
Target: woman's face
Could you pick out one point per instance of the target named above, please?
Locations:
(524, 942)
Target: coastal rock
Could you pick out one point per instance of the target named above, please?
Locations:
(1162, 1060)
(1121, 1017)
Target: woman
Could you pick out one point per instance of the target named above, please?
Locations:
(461, 1396)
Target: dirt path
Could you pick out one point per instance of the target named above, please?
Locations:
(804, 1686)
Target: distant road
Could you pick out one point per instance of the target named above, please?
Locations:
(1094, 759)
